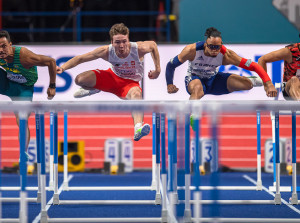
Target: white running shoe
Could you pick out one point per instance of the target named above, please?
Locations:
(256, 81)
(83, 92)
(141, 132)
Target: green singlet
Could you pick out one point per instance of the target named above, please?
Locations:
(16, 81)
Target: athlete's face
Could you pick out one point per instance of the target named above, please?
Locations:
(213, 46)
(121, 44)
(5, 48)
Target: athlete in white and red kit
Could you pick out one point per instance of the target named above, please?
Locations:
(122, 79)
(203, 76)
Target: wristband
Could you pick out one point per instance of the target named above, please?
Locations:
(52, 85)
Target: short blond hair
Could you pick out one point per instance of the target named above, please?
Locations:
(118, 28)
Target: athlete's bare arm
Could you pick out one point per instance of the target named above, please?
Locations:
(150, 47)
(188, 53)
(231, 57)
(29, 59)
(282, 54)
(100, 52)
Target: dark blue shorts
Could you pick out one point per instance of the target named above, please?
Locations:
(216, 85)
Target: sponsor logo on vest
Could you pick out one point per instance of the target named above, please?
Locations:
(16, 78)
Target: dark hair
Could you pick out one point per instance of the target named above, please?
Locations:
(212, 32)
(4, 33)
(118, 28)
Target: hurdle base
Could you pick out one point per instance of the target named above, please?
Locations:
(56, 199)
(158, 199)
(153, 185)
(38, 197)
(44, 217)
(259, 185)
(66, 186)
(187, 218)
(294, 199)
(277, 199)
(23, 217)
(164, 216)
(51, 186)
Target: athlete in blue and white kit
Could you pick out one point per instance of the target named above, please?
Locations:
(203, 76)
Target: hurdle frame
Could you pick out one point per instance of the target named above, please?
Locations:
(258, 106)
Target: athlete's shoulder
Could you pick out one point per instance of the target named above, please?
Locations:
(141, 44)
(199, 45)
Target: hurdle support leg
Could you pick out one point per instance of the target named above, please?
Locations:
(55, 152)
(153, 183)
(157, 150)
(174, 163)
(277, 199)
(294, 198)
(23, 167)
(187, 209)
(164, 211)
(259, 181)
(37, 123)
(51, 170)
(66, 182)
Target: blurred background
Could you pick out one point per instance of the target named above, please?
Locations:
(177, 21)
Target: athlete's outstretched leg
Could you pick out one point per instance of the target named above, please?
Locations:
(87, 80)
(140, 130)
(238, 83)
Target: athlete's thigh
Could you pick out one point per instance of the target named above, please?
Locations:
(219, 84)
(87, 78)
(133, 92)
(192, 83)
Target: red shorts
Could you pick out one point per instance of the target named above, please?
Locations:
(108, 81)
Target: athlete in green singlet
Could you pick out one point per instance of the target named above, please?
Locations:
(19, 72)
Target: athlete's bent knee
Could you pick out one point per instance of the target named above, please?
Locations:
(197, 91)
(136, 94)
(78, 80)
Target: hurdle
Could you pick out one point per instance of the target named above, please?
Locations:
(74, 188)
(38, 187)
(238, 105)
(56, 200)
(23, 213)
(276, 162)
(66, 187)
(294, 187)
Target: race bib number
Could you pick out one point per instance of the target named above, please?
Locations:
(16, 77)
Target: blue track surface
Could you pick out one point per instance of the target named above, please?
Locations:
(11, 210)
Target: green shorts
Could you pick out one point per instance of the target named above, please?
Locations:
(14, 90)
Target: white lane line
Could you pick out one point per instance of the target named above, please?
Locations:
(271, 193)
(38, 218)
